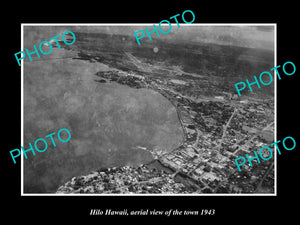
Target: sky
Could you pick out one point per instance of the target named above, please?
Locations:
(244, 36)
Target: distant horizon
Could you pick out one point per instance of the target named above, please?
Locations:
(250, 36)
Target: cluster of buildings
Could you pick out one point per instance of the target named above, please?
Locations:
(125, 180)
(216, 131)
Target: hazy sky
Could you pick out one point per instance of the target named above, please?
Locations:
(245, 36)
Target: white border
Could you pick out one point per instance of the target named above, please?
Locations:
(22, 112)
(275, 106)
(148, 24)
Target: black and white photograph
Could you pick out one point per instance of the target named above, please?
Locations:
(157, 116)
(132, 114)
